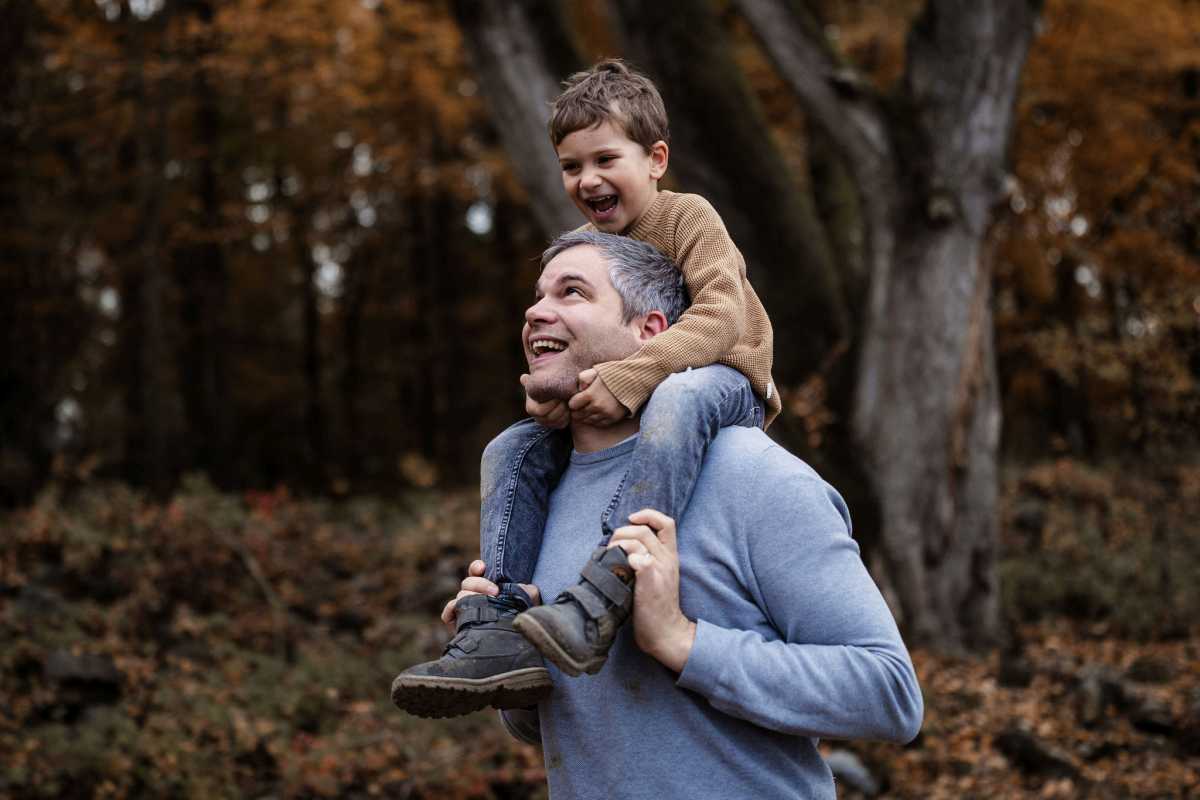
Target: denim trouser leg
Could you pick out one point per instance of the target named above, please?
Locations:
(519, 470)
(678, 422)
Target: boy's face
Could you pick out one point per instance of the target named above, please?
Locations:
(610, 178)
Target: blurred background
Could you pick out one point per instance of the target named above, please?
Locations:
(262, 272)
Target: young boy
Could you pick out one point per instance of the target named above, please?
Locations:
(609, 128)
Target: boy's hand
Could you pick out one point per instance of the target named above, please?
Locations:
(550, 414)
(594, 404)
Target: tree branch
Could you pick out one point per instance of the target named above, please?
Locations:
(836, 96)
(519, 80)
(964, 61)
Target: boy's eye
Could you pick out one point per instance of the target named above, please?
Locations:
(570, 167)
(606, 159)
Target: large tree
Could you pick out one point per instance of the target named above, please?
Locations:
(919, 167)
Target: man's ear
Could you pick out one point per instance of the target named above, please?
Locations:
(659, 155)
(652, 325)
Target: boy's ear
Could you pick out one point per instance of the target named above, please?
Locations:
(652, 325)
(659, 154)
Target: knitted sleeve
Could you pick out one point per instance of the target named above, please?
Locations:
(713, 271)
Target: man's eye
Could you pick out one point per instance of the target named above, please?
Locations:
(572, 290)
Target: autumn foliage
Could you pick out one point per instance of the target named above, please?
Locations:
(251, 245)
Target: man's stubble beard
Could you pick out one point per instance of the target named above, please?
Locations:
(561, 382)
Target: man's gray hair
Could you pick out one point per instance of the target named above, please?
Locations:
(645, 279)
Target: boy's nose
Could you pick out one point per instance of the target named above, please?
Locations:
(589, 179)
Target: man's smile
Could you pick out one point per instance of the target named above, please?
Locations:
(544, 346)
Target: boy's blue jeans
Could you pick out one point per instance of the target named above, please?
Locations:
(522, 465)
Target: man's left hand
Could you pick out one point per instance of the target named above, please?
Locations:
(659, 626)
(594, 404)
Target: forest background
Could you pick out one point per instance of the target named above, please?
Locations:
(263, 269)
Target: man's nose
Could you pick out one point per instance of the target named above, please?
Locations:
(539, 312)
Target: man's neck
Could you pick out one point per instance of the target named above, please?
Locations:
(589, 439)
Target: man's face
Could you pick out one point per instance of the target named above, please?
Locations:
(610, 178)
(574, 324)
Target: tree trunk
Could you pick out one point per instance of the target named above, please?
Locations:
(156, 401)
(928, 169)
(521, 52)
(204, 288)
(355, 287)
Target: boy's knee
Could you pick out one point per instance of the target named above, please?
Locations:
(682, 389)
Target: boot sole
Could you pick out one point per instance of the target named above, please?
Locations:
(435, 697)
(549, 647)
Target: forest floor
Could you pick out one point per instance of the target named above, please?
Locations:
(225, 645)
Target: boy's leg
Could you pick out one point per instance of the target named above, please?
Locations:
(487, 663)
(678, 423)
(518, 471)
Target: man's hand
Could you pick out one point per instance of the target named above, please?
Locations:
(475, 583)
(594, 404)
(659, 626)
(550, 414)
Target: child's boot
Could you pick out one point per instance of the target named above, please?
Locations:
(487, 663)
(578, 628)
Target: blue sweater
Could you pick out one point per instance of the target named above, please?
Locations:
(794, 642)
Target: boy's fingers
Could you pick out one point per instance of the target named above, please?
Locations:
(477, 568)
(586, 378)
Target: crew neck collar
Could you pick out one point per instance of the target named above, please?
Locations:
(619, 449)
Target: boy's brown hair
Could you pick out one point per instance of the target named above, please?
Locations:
(610, 92)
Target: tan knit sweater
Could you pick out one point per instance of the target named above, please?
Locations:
(725, 324)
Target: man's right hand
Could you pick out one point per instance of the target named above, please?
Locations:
(475, 583)
(550, 414)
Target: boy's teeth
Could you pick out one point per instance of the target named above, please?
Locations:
(605, 203)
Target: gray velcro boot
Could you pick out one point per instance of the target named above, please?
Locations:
(577, 629)
(486, 664)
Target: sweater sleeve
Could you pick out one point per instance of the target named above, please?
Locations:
(836, 666)
(714, 322)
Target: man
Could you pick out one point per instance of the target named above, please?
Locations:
(756, 631)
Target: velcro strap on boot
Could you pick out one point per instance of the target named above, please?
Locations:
(606, 583)
(475, 613)
(591, 602)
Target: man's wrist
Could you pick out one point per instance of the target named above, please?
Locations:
(675, 649)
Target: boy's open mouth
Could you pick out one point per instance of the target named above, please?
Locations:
(541, 346)
(602, 204)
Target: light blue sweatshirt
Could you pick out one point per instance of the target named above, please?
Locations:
(794, 642)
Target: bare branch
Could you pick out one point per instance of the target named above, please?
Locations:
(519, 82)
(837, 97)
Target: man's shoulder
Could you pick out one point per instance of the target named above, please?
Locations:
(751, 451)
(745, 469)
